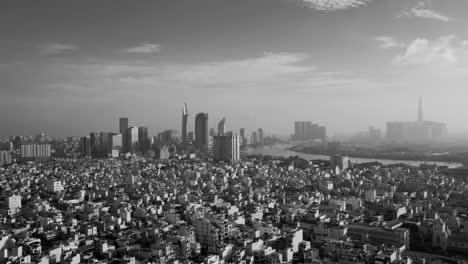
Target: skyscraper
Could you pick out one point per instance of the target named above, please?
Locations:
(254, 137)
(143, 140)
(260, 136)
(191, 136)
(212, 132)
(117, 142)
(222, 127)
(243, 136)
(85, 146)
(305, 131)
(201, 131)
(302, 130)
(101, 144)
(184, 123)
(123, 125)
(226, 148)
(131, 140)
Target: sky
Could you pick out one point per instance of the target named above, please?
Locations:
(75, 67)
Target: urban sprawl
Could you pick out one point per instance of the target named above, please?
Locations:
(129, 198)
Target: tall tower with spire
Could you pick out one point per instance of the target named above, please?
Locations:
(184, 123)
(420, 112)
(222, 127)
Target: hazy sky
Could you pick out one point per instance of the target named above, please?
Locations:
(73, 67)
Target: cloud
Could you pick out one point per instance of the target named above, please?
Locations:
(144, 48)
(444, 51)
(334, 5)
(423, 10)
(276, 73)
(389, 42)
(57, 48)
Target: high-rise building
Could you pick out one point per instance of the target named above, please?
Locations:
(322, 133)
(85, 146)
(123, 125)
(131, 140)
(143, 140)
(302, 130)
(35, 152)
(222, 127)
(212, 132)
(184, 124)
(117, 142)
(254, 137)
(260, 136)
(17, 141)
(101, 144)
(191, 136)
(243, 136)
(374, 133)
(306, 131)
(201, 131)
(226, 148)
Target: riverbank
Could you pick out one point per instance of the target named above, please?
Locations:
(449, 158)
(284, 150)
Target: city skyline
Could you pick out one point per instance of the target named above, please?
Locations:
(265, 64)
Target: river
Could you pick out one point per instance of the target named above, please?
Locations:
(282, 151)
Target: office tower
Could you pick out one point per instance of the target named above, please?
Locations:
(260, 136)
(254, 137)
(101, 144)
(201, 131)
(342, 162)
(85, 146)
(226, 148)
(5, 158)
(222, 127)
(212, 132)
(143, 140)
(123, 125)
(243, 136)
(184, 123)
(191, 136)
(420, 111)
(322, 133)
(35, 152)
(131, 140)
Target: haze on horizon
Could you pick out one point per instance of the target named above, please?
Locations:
(73, 67)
